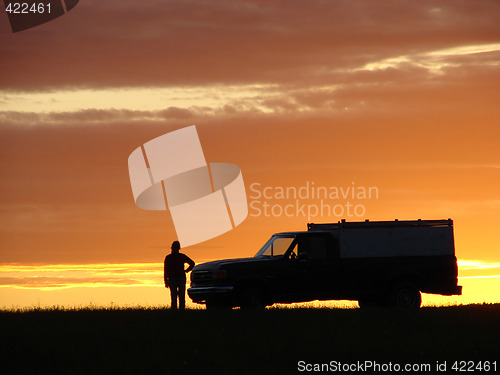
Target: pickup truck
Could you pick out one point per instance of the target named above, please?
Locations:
(377, 263)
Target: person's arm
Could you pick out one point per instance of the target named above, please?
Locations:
(191, 264)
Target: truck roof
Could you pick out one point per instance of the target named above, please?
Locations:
(378, 224)
(290, 233)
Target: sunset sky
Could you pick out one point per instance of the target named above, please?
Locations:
(401, 96)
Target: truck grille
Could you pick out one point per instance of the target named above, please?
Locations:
(201, 277)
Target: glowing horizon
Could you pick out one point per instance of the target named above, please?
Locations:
(145, 280)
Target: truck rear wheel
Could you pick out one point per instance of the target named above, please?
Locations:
(405, 295)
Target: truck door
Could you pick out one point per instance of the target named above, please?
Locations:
(280, 269)
(318, 262)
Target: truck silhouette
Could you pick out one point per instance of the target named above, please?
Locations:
(377, 263)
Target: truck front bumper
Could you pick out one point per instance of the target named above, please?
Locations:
(201, 294)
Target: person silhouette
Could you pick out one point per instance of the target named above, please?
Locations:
(174, 274)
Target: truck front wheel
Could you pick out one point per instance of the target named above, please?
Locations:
(214, 304)
(251, 298)
(405, 295)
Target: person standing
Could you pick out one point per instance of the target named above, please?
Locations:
(174, 274)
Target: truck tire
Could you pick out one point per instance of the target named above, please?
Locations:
(251, 297)
(405, 295)
(217, 305)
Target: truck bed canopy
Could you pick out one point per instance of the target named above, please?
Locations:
(376, 239)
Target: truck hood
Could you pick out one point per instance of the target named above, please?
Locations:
(216, 264)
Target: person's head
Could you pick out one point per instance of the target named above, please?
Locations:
(176, 246)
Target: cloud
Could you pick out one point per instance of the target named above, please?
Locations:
(179, 43)
(40, 282)
(407, 86)
(477, 265)
(90, 275)
(96, 116)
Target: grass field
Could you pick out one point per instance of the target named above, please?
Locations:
(272, 341)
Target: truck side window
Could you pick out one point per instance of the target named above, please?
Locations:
(278, 246)
(314, 246)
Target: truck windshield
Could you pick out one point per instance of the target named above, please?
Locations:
(276, 246)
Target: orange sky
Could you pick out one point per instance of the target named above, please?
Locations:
(402, 96)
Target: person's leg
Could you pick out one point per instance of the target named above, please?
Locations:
(182, 296)
(173, 295)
